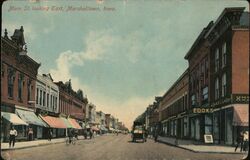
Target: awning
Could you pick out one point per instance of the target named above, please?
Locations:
(54, 122)
(13, 118)
(241, 112)
(94, 128)
(30, 117)
(66, 122)
(74, 123)
(111, 129)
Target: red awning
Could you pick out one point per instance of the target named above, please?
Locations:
(240, 117)
(74, 123)
(54, 122)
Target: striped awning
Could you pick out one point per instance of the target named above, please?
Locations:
(241, 112)
(74, 123)
(13, 118)
(54, 122)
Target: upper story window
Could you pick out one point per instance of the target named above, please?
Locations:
(11, 79)
(224, 54)
(29, 89)
(47, 100)
(193, 100)
(217, 88)
(205, 94)
(40, 97)
(37, 93)
(224, 85)
(44, 97)
(217, 59)
(20, 86)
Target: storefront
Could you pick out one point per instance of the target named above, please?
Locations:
(34, 122)
(11, 119)
(56, 124)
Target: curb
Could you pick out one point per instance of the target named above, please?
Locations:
(195, 151)
(36, 145)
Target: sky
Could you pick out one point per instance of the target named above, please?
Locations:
(121, 53)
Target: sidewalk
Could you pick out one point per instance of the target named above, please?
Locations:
(201, 148)
(35, 143)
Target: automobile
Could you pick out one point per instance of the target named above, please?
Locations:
(138, 132)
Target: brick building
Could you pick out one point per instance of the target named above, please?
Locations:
(18, 82)
(173, 109)
(219, 78)
(72, 104)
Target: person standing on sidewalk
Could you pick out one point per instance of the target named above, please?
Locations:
(245, 141)
(239, 142)
(49, 135)
(30, 134)
(13, 134)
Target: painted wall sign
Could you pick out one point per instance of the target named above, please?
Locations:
(240, 98)
(202, 110)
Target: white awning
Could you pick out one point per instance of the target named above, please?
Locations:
(13, 118)
(30, 117)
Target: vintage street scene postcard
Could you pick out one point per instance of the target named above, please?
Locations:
(125, 80)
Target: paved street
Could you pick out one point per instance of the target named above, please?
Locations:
(112, 147)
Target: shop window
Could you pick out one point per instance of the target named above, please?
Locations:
(224, 54)
(224, 85)
(185, 126)
(217, 88)
(217, 59)
(208, 124)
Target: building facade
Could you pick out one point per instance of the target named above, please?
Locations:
(218, 78)
(173, 109)
(18, 81)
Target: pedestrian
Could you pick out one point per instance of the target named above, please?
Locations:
(12, 138)
(49, 135)
(245, 141)
(90, 134)
(70, 135)
(30, 134)
(239, 142)
(156, 135)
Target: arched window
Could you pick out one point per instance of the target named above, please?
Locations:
(216, 88)
(224, 85)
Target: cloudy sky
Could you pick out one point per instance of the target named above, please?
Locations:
(121, 53)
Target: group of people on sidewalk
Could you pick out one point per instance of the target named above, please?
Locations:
(13, 135)
(242, 141)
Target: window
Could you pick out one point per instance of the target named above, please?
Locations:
(37, 92)
(2, 69)
(41, 94)
(193, 100)
(205, 94)
(208, 124)
(216, 60)
(20, 86)
(47, 100)
(56, 104)
(216, 88)
(44, 96)
(185, 126)
(224, 85)
(29, 89)
(224, 54)
(11, 79)
(50, 101)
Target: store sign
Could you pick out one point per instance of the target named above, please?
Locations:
(208, 138)
(220, 102)
(202, 110)
(240, 98)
